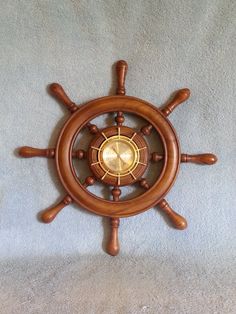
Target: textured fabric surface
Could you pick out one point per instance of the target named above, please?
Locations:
(126, 284)
(61, 267)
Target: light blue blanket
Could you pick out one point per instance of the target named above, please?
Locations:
(61, 267)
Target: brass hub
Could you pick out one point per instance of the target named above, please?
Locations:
(118, 156)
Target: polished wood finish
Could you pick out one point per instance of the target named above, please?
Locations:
(79, 154)
(116, 192)
(129, 207)
(58, 92)
(50, 214)
(144, 184)
(203, 159)
(180, 96)
(89, 181)
(29, 152)
(119, 118)
(155, 157)
(146, 130)
(156, 119)
(93, 129)
(113, 246)
(121, 70)
(177, 221)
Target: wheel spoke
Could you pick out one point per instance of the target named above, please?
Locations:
(177, 221)
(121, 70)
(155, 157)
(146, 130)
(93, 129)
(144, 184)
(203, 159)
(116, 192)
(113, 246)
(29, 152)
(179, 97)
(119, 118)
(89, 181)
(58, 92)
(80, 154)
(50, 214)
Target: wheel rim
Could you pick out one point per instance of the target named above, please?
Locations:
(104, 105)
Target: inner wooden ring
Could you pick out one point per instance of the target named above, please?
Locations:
(104, 105)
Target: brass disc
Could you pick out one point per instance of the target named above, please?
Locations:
(118, 156)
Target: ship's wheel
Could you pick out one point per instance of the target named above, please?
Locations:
(117, 156)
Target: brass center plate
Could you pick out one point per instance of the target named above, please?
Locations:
(119, 155)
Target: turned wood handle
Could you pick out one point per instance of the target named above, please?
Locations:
(178, 221)
(58, 92)
(113, 246)
(29, 152)
(180, 96)
(121, 70)
(50, 214)
(204, 159)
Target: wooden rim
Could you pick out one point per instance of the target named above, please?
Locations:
(91, 110)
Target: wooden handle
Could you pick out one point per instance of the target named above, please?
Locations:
(155, 157)
(58, 92)
(80, 154)
(180, 96)
(204, 159)
(147, 129)
(113, 246)
(178, 221)
(50, 214)
(121, 70)
(29, 152)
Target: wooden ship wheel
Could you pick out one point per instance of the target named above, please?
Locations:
(117, 156)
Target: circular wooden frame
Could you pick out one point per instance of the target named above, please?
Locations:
(118, 156)
(91, 110)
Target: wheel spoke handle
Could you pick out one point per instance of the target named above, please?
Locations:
(113, 246)
(180, 96)
(50, 214)
(58, 92)
(29, 152)
(121, 71)
(177, 221)
(204, 159)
